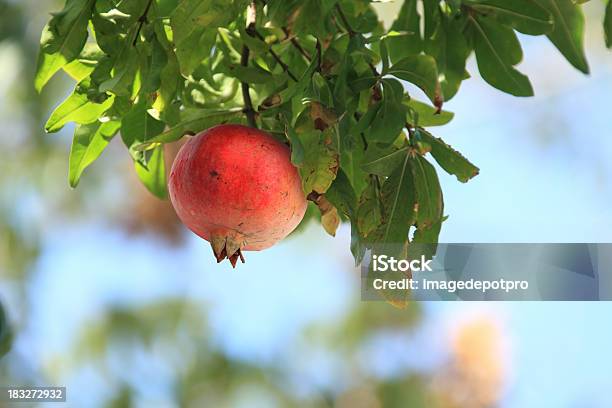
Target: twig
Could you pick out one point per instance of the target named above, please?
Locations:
(141, 22)
(408, 127)
(319, 55)
(244, 61)
(352, 33)
(296, 43)
(357, 117)
(277, 58)
(345, 21)
(375, 178)
(438, 102)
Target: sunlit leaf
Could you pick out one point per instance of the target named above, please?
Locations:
(62, 39)
(192, 122)
(77, 108)
(138, 127)
(193, 23)
(87, 145)
(153, 172)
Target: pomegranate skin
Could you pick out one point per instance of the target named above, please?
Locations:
(236, 187)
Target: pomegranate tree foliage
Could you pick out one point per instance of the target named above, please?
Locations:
(323, 75)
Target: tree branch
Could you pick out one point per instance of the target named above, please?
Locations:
(244, 61)
(141, 22)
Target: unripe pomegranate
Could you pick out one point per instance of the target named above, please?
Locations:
(235, 187)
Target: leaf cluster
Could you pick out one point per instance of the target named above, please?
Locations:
(354, 100)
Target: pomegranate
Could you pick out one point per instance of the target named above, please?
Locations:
(235, 187)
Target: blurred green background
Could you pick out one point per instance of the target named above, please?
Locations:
(104, 292)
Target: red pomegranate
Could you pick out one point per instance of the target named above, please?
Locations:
(235, 187)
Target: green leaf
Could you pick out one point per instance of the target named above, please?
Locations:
(384, 56)
(251, 75)
(122, 75)
(170, 74)
(138, 127)
(383, 161)
(256, 45)
(422, 114)
(365, 121)
(420, 70)
(408, 22)
(166, 7)
(431, 17)
(526, 16)
(193, 121)
(399, 199)
(451, 50)
(297, 150)
(320, 91)
(87, 145)
(77, 108)
(193, 25)
(151, 70)
(296, 89)
(430, 205)
(83, 66)
(342, 195)
(425, 241)
(449, 159)
(497, 51)
(62, 40)
(362, 83)
(310, 17)
(352, 153)
(568, 34)
(428, 235)
(358, 247)
(608, 24)
(153, 173)
(369, 212)
(390, 116)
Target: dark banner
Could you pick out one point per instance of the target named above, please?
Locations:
(495, 272)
